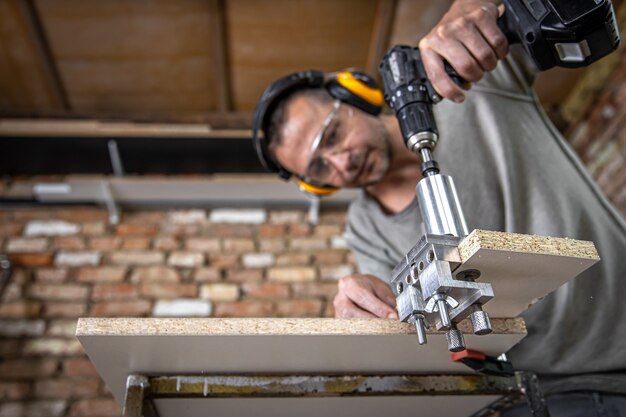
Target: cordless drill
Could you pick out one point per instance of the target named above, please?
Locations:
(428, 289)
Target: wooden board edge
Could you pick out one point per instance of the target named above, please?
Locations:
(517, 242)
(267, 327)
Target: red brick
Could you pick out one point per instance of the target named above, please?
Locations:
(79, 367)
(272, 245)
(291, 274)
(65, 309)
(102, 274)
(229, 230)
(32, 259)
(42, 408)
(134, 229)
(33, 214)
(335, 272)
(291, 259)
(93, 228)
(317, 289)
(220, 292)
(207, 275)
(12, 292)
(136, 308)
(168, 290)
(63, 328)
(97, 407)
(154, 274)
(67, 388)
(186, 216)
(286, 216)
(238, 245)
(308, 244)
(143, 216)
(329, 309)
(327, 230)
(27, 244)
(27, 368)
(329, 257)
(333, 217)
(299, 230)
(20, 309)
(58, 291)
(82, 214)
(10, 229)
(51, 275)
(53, 346)
(136, 243)
(243, 309)
(203, 244)
(137, 257)
(10, 347)
(244, 275)
(265, 290)
(299, 308)
(21, 276)
(185, 259)
(181, 229)
(69, 243)
(115, 291)
(223, 261)
(13, 390)
(166, 243)
(106, 243)
(272, 230)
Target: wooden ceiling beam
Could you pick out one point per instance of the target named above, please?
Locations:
(234, 120)
(219, 39)
(31, 16)
(381, 34)
(12, 128)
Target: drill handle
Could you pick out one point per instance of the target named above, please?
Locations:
(508, 25)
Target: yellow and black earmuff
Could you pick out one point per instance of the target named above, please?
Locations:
(352, 87)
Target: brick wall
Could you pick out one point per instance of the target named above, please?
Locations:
(600, 137)
(70, 263)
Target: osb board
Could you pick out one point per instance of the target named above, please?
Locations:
(523, 268)
(154, 346)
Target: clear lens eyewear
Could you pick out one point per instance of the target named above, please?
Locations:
(327, 142)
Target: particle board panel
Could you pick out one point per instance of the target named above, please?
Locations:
(523, 268)
(278, 346)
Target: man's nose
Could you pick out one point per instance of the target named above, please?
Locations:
(343, 162)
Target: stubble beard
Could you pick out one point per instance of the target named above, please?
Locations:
(384, 162)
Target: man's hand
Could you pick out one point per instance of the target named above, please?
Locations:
(468, 38)
(364, 296)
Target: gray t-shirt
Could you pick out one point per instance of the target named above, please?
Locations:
(514, 172)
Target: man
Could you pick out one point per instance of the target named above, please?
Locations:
(513, 171)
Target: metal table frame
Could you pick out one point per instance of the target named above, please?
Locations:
(141, 390)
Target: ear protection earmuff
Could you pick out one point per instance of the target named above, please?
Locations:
(352, 87)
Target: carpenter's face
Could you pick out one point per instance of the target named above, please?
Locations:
(333, 143)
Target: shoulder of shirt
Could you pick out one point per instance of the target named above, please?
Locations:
(513, 77)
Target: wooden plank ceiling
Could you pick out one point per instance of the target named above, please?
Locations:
(193, 60)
